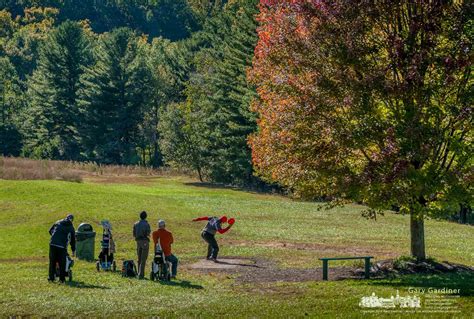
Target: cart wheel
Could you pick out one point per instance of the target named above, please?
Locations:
(114, 266)
(162, 272)
(70, 275)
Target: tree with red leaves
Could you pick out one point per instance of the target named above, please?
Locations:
(367, 101)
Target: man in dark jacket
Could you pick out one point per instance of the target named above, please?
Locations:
(62, 234)
(141, 233)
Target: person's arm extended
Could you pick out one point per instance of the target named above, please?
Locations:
(231, 222)
(224, 230)
(200, 219)
(172, 239)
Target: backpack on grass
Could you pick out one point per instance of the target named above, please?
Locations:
(129, 269)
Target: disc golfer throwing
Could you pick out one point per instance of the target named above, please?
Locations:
(214, 225)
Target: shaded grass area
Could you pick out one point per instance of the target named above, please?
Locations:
(287, 233)
(462, 280)
(193, 295)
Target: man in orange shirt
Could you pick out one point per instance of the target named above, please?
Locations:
(165, 239)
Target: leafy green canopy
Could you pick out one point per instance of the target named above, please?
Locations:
(173, 19)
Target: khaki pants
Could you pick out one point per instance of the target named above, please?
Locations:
(143, 247)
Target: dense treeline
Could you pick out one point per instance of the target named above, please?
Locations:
(130, 82)
(363, 102)
(173, 19)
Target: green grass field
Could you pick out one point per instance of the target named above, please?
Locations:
(288, 233)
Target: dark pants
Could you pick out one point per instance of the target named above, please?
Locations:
(57, 255)
(213, 247)
(143, 247)
(103, 256)
(174, 264)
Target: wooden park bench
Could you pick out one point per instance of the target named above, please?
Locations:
(326, 264)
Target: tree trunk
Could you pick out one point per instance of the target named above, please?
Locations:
(464, 210)
(417, 230)
(199, 173)
(157, 156)
(157, 159)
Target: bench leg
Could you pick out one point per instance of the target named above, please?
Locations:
(325, 270)
(367, 268)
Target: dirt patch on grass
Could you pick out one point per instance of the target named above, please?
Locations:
(247, 270)
(325, 250)
(223, 264)
(295, 275)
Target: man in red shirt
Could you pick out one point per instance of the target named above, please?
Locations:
(213, 226)
(165, 239)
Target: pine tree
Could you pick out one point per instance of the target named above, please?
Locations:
(11, 103)
(232, 119)
(164, 60)
(54, 118)
(113, 98)
(219, 95)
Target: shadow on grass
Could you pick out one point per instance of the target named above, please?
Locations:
(182, 284)
(249, 189)
(81, 284)
(461, 280)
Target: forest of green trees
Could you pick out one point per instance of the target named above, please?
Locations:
(345, 100)
(160, 82)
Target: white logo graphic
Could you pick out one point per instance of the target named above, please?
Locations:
(392, 302)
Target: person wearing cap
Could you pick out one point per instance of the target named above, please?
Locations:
(213, 226)
(164, 238)
(141, 233)
(62, 234)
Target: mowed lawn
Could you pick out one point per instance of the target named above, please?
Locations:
(289, 234)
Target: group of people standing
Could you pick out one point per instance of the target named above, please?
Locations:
(63, 234)
(161, 237)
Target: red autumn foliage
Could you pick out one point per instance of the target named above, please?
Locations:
(367, 101)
